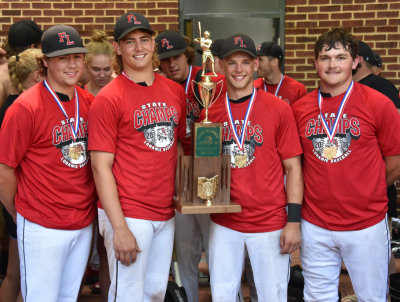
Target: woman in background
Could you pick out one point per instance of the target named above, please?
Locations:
(23, 70)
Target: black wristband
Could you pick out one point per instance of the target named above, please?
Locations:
(294, 212)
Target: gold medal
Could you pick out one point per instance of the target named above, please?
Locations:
(75, 151)
(240, 160)
(330, 152)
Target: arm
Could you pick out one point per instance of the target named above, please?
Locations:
(8, 189)
(290, 236)
(125, 245)
(392, 164)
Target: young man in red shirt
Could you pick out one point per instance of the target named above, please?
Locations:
(270, 77)
(259, 134)
(45, 170)
(351, 143)
(135, 123)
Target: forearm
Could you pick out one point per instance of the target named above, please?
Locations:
(392, 165)
(294, 181)
(8, 189)
(107, 191)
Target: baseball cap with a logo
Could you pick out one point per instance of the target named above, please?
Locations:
(24, 33)
(130, 22)
(61, 40)
(169, 44)
(270, 49)
(236, 43)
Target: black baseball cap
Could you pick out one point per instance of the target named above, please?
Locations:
(236, 43)
(366, 52)
(169, 44)
(130, 22)
(216, 47)
(270, 49)
(61, 40)
(24, 33)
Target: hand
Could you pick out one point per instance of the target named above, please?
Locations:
(290, 238)
(125, 246)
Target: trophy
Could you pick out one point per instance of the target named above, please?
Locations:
(204, 177)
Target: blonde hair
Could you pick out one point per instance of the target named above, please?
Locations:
(98, 45)
(22, 65)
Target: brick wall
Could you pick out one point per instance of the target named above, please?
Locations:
(376, 22)
(87, 15)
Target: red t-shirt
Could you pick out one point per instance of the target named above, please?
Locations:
(290, 90)
(193, 106)
(55, 184)
(345, 182)
(271, 136)
(141, 125)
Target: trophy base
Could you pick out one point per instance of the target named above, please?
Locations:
(191, 208)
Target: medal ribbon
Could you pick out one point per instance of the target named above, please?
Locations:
(331, 132)
(277, 88)
(240, 141)
(188, 79)
(57, 100)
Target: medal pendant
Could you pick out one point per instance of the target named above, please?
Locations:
(240, 160)
(330, 152)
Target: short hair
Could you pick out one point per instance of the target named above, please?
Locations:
(334, 37)
(21, 66)
(98, 45)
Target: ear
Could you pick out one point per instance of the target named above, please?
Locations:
(36, 76)
(356, 61)
(44, 62)
(116, 47)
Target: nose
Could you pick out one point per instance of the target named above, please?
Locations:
(71, 61)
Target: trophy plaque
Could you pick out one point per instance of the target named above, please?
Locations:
(204, 177)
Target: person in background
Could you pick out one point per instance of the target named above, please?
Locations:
(24, 73)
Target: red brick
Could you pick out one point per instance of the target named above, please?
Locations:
(341, 16)
(297, 61)
(305, 39)
(392, 37)
(82, 5)
(4, 5)
(295, 46)
(394, 6)
(304, 68)
(313, 2)
(374, 38)
(388, 29)
(30, 13)
(63, 20)
(296, 17)
(82, 20)
(41, 5)
(319, 16)
(97, 12)
(128, 6)
(296, 2)
(365, 15)
(103, 20)
(388, 14)
(11, 13)
(364, 30)
(62, 5)
(20, 5)
(73, 12)
(306, 24)
(174, 12)
(145, 4)
(295, 31)
(167, 4)
(330, 8)
(307, 9)
(106, 5)
(329, 24)
(375, 7)
(52, 12)
(352, 23)
(394, 22)
(342, 1)
(386, 44)
(167, 19)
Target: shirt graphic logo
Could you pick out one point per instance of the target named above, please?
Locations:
(339, 148)
(239, 41)
(157, 121)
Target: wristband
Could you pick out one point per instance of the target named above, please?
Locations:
(294, 212)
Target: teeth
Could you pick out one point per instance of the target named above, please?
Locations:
(139, 57)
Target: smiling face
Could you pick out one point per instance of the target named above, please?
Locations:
(334, 67)
(136, 51)
(176, 68)
(99, 70)
(239, 68)
(63, 72)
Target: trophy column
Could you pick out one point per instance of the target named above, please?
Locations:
(204, 178)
